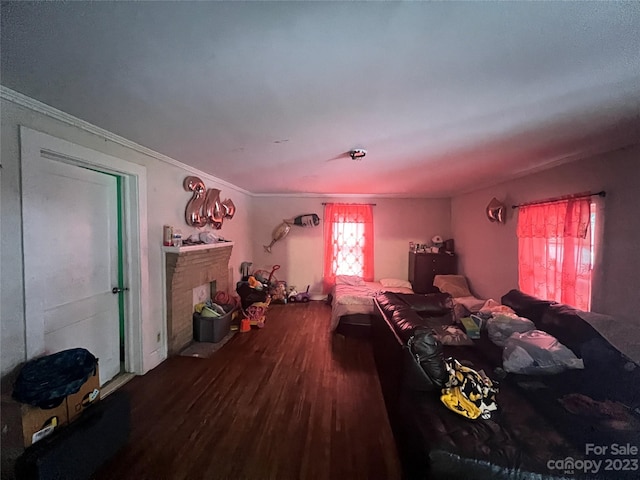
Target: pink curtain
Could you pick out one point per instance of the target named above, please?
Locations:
(348, 242)
(554, 251)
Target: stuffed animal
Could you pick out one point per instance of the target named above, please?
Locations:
(253, 283)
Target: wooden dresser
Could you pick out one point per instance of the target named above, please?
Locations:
(424, 266)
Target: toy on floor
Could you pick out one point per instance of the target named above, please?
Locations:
(277, 289)
(245, 325)
(302, 297)
(256, 313)
(254, 299)
(279, 292)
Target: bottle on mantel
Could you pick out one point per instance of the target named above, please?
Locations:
(167, 235)
(177, 239)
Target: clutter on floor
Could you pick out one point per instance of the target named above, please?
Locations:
(211, 321)
(255, 297)
(215, 322)
(55, 425)
(78, 450)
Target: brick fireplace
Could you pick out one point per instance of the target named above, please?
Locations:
(188, 268)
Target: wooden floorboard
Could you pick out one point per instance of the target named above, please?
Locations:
(289, 401)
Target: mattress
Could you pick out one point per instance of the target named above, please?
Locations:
(357, 299)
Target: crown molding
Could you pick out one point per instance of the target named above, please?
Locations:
(361, 196)
(53, 113)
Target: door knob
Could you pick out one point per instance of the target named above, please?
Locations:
(116, 290)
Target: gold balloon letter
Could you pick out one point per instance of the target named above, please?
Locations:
(205, 206)
(194, 206)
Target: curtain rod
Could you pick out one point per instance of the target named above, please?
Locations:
(601, 193)
(331, 203)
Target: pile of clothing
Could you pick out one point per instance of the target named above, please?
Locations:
(526, 350)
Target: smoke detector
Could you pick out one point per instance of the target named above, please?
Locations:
(357, 153)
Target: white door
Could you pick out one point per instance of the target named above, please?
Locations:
(70, 229)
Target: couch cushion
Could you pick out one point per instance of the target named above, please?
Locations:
(431, 304)
(526, 305)
(405, 322)
(388, 302)
(405, 319)
(564, 323)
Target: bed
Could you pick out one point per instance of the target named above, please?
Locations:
(352, 298)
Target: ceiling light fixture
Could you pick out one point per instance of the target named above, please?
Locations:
(357, 153)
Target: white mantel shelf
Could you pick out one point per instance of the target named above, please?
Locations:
(193, 248)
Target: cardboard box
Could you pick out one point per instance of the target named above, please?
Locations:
(24, 425)
(88, 394)
(79, 449)
(38, 423)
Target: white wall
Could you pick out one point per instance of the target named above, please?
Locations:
(166, 201)
(300, 253)
(489, 251)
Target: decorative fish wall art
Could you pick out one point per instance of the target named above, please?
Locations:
(282, 230)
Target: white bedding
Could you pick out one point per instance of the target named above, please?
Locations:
(352, 299)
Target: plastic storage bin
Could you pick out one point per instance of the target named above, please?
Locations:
(208, 329)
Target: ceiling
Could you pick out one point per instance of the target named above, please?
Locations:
(270, 96)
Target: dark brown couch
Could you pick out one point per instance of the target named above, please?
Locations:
(533, 433)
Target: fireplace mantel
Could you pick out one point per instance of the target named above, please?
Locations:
(192, 248)
(186, 268)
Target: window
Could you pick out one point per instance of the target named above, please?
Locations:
(348, 258)
(556, 250)
(348, 237)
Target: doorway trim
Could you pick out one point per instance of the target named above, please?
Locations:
(34, 145)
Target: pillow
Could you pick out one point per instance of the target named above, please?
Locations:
(454, 285)
(352, 280)
(526, 305)
(394, 282)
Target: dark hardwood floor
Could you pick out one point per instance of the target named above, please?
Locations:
(290, 401)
